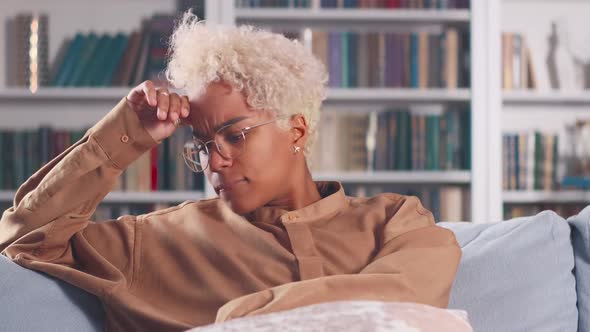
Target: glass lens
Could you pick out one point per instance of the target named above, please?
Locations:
(196, 155)
(231, 142)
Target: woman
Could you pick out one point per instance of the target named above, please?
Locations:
(273, 240)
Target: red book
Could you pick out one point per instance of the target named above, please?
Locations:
(393, 3)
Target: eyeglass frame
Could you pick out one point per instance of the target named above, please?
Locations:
(206, 144)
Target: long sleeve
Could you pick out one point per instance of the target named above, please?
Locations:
(48, 226)
(416, 262)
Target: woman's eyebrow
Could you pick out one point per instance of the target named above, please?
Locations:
(226, 123)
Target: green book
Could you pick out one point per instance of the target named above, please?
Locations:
(538, 160)
(435, 142)
(96, 67)
(119, 45)
(429, 146)
(18, 150)
(70, 60)
(344, 59)
(84, 60)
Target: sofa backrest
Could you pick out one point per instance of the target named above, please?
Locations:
(516, 275)
(580, 225)
(34, 301)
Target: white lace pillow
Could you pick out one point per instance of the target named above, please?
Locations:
(352, 316)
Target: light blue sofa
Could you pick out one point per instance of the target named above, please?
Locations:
(525, 274)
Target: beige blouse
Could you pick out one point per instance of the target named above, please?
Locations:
(199, 263)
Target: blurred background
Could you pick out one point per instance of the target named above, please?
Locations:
(479, 107)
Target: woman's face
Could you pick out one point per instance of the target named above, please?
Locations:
(261, 171)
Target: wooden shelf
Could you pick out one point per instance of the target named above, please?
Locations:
(61, 94)
(397, 177)
(334, 95)
(134, 197)
(552, 98)
(348, 16)
(538, 197)
(369, 96)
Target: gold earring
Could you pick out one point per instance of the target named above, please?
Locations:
(296, 148)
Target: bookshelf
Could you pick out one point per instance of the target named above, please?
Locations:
(483, 97)
(74, 106)
(534, 197)
(544, 108)
(368, 17)
(550, 98)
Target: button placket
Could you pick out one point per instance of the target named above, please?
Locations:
(303, 246)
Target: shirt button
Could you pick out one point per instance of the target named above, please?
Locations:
(124, 138)
(292, 217)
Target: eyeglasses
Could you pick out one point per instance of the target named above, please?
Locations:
(229, 141)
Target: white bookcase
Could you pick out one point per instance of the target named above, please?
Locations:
(75, 107)
(544, 109)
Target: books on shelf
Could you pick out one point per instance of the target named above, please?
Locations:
(518, 71)
(92, 60)
(25, 151)
(419, 59)
(418, 138)
(389, 4)
(530, 161)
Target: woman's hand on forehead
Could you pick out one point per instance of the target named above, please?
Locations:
(159, 110)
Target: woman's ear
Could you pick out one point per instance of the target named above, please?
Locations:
(299, 130)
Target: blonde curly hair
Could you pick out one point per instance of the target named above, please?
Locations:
(275, 73)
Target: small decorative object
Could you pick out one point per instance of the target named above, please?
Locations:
(27, 51)
(574, 54)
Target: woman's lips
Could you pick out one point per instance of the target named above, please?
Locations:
(225, 188)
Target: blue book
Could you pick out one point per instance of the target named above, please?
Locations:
(334, 59)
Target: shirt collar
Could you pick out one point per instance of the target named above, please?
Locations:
(333, 200)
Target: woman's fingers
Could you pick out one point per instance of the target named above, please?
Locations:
(144, 93)
(175, 105)
(168, 106)
(185, 106)
(150, 93)
(163, 104)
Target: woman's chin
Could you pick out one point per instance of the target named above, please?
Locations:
(236, 205)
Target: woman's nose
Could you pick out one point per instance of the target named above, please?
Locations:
(216, 160)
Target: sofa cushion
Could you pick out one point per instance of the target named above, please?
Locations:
(580, 225)
(34, 301)
(516, 275)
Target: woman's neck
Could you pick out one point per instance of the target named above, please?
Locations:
(301, 192)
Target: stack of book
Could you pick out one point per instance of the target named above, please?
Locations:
(386, 59)
(419, 138)
(114, 60)
(25, 151)
(517, 65)
(390, 4)
(530, 161)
